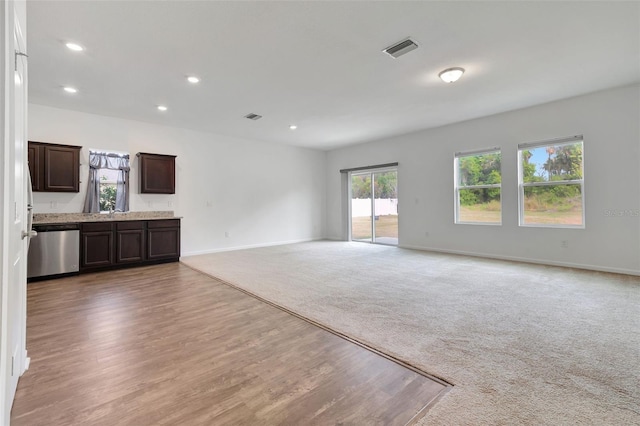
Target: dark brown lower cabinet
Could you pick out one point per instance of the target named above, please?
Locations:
(114, 244)
(130, 242)
(163, 239)
(96, 245)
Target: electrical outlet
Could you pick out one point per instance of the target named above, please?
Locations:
(564, 244)
(426, 234)
(226, 234)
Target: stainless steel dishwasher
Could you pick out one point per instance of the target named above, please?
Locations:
(54, 251)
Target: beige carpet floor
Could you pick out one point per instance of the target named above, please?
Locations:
(523, 344)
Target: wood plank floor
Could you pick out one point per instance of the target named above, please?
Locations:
(168, 345)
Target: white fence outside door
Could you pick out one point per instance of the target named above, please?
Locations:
(384, 206)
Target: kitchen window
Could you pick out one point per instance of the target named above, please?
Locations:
(108, 187)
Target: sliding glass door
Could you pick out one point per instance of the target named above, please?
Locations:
(374, 206)
(361, 207)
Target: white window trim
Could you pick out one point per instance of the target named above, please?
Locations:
(457, 187)
(571, 140)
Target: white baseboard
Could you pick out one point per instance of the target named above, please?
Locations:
(275, 243)
(598, 268)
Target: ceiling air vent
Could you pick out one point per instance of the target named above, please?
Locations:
(253, 116)
(401, 48)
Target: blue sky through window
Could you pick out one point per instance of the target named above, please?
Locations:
(539, 157)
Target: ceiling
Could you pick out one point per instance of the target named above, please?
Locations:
(320, 66)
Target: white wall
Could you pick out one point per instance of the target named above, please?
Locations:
(285, 199)
(259, 193)
(609, 122)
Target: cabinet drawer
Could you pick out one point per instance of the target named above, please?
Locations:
(133, 224)
(164, 223)
(97, 226)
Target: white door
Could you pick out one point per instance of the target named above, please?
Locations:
(15, 221)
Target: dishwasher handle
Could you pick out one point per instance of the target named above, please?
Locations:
(56, 227)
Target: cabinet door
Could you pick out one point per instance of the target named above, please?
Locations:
(62, 168)
(157, 174)
(97, 249)
(130, 242)
(35, 171)
(163, 239)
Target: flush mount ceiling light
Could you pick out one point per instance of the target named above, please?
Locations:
(75, 47)
(162, 108)
(451, 74)
(193, 79)
(70, 89)
(293, 127)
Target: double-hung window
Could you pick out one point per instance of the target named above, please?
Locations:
(551, 183)
(108, 188)
(478, 187)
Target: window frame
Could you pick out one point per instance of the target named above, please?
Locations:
(571, 140)
(458, 186)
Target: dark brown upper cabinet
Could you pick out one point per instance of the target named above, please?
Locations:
(54, 167)
(157, 173)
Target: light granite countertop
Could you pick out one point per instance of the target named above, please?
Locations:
(47, 218)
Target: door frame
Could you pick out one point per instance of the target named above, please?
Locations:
(371, 171)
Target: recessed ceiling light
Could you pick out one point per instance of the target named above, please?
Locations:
(193, 79)
(451, 74)
(162, 108)
(70, 89)
(293, 127)
(75, 47)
